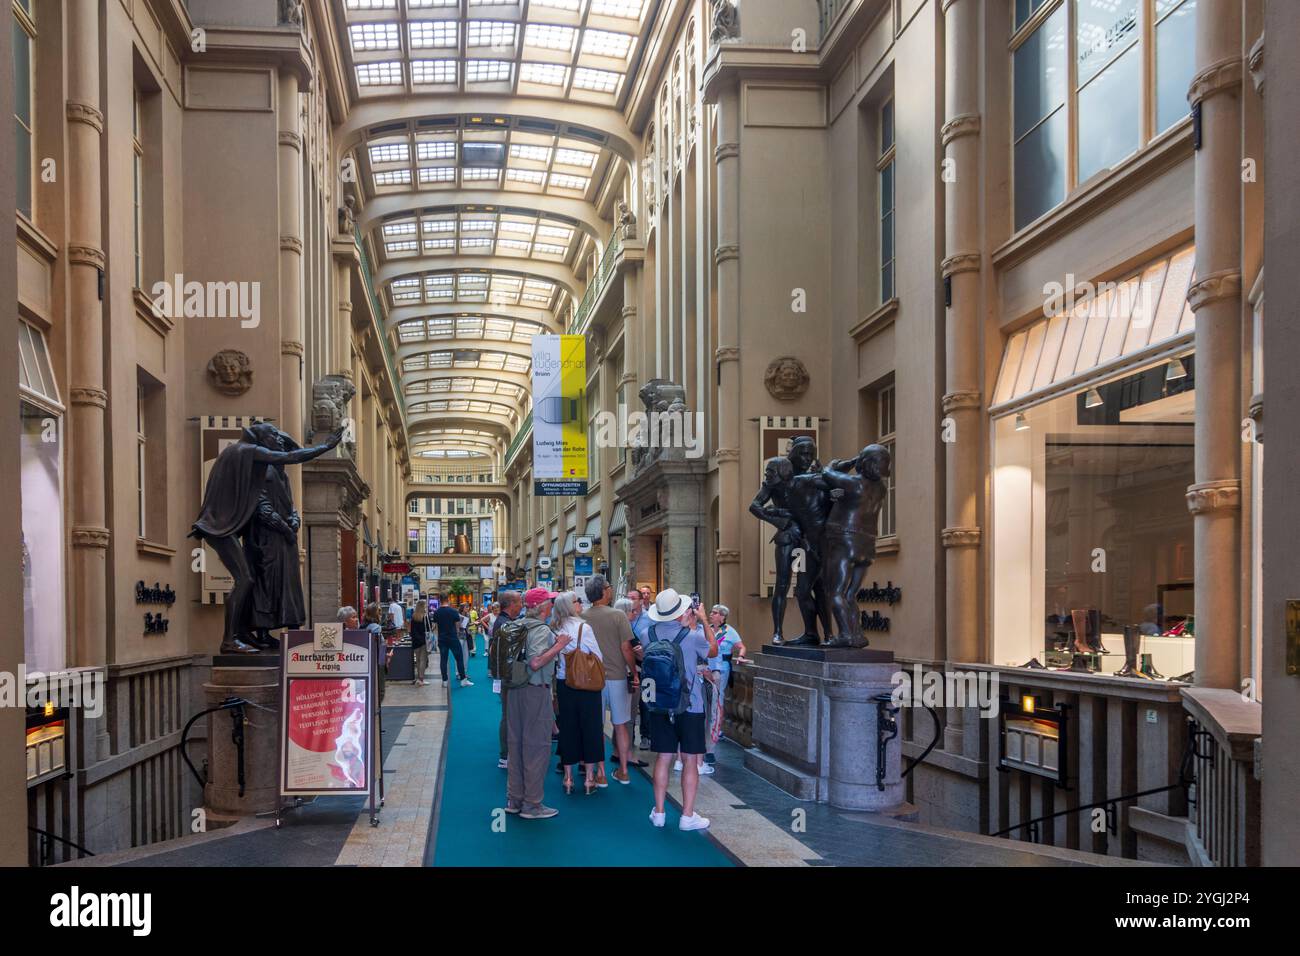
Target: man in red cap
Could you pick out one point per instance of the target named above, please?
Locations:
(529, 717)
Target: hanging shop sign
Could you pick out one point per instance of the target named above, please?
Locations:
(397, 567)
(215, 433)
(583, 544)
(559, 415)
(328, 710)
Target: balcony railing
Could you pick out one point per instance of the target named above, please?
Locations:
(830, 11)
(495, 547)
(582, 316)
(378, 315)
(458, 473)
(1224, 816)
(516, 443)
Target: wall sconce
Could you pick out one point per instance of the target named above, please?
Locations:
(1022, 423)
(1175, 370)
(1028, 704)
(1093, 399)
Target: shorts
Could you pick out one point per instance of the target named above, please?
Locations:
(684, 732)
(617, 699)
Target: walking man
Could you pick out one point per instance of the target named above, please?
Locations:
(530, 718)
(512, 605)
(447, 618)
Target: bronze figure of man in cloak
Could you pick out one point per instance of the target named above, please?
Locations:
(246, 492)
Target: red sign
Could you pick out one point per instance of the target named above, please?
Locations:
(399, 567)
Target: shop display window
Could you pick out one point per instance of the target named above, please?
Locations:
(1092, 538)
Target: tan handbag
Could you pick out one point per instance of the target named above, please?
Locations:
(583, 670)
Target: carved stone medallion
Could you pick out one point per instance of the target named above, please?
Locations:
(786, 378)
(230, 372)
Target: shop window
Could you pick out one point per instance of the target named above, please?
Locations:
(1128, 87)
(41, 482)
(137, 180)
(886, 420)
(24, 44)
(150, 458)
(1092, 538)
(885, 175)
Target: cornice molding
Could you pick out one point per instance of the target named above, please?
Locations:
(1214, 288)
(1210, 496)
(1220, 77)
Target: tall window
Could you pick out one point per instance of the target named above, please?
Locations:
(1114, 73)
(24, 40)
(137, 179)
(885, 425)
(141, 449)
(885, 172)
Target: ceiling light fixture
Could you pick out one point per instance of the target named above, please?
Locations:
(1175, 370)
(1022, 423)
(1093, 399)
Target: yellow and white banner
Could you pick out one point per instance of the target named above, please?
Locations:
(559, 415)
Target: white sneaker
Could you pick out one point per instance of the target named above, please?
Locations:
(444, 683)
(677, 767)
(657, 818)
(706, 768)
(467, 683)
(693, 822)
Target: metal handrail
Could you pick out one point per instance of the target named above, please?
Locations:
(830, 11)
(44, 855)
(597, 285)
(517, 442)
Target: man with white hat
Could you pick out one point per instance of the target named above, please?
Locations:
(677, 620)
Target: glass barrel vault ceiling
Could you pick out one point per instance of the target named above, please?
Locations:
(554, 52)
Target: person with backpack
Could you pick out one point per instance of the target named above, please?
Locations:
(511, 606)
(526, 653)
(673, 690)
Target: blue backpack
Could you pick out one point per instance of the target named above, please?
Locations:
(664, 669)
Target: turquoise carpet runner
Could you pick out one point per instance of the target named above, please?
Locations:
(609, 828)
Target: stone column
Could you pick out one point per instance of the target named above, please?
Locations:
(962, 401)
(1215, 498)
(87, 574)
(345, 255)
(291, 321)
(727, 357)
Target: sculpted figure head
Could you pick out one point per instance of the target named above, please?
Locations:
(803, 451)
(230, 371)
(874, 462)
(777, 471)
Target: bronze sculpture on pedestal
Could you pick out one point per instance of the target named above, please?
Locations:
(246, 492)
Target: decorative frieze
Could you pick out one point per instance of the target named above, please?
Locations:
(1215, 286)
(725, 151)
(290, 347)
(80, 254)
(84, 536)
(960, 537)
(89, 395)
(1255, 63)
(956, 401)
(291, 244)
(726, 253)
(726, 353)
(291, 138)
(78, 112)
(1209, 496)
(727, 556)
(966, 124)
(1221, 77)
(727, 454)
(960, 262)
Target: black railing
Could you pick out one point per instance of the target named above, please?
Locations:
(43, 854)
(830, 11)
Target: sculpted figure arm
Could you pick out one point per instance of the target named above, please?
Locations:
(300, 455)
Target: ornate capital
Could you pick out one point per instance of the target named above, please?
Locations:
(960, 262)
(964, 124)
(89, 395)
(727, 454)
(725, 253)
(291, 138)
(78, 112)
(1218, 77)
(1208, 496)
(956, 401)
(85, 536)
(1215, 286)
(726, 353)
(291, 244)
(80, 254)
(629, 312)
(344, 305)
(726, 151)
(727, 556)
(961, 537)
(290, 347)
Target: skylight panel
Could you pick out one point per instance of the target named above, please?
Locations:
(433, 71)
(548, 36)
(526, 176)
(516, 363)
(498, 33)
(426, 4)
(538, 154)
(555, 232)
(436, 281)
(575, 157)
(441, 149)
(510, 225)
(547, 74)
(549, 249)
(604, 43)
(372, 4)
(438, 245)
(404, 245)
(540, 285)
(570, 5)
(393, 177)
(627, 9)
(390, 153)
(399, 228)
(486, 71)
(374, 36)
(387, 73)
(515, 245)
(562, 181)
(430, 34)
(478, 225)
(440, 225)
(438, 174)
(475, 243)
(479, 174)
(602, 81)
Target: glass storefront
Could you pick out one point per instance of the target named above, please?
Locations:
(42, 538)
(1092, 538)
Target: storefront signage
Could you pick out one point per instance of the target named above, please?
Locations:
(397, 567)
(154, 595)
(559, 415)
(877, 595)
(327, 709)
(583, 544)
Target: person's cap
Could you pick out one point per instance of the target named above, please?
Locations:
(536, 596)
(668, 606)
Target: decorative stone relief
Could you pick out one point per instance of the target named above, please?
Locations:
(231, 372)
(347, 217)
(291, 13)
(786, 379)
(329, 398)
(726, 21)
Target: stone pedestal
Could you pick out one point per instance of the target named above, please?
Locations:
(260, 685)
(815, 726)
(665, 500)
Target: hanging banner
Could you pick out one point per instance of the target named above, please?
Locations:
(215, 433)
(327, 712)
(559, 415)
(776, 432)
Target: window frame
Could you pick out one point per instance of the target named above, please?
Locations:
(885, 161)
(887, 435)
(1148, 133)
(25, 19)
(141, 463)
(137, 179)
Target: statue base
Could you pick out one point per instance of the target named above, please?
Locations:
(256, 678)
(815, 726)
